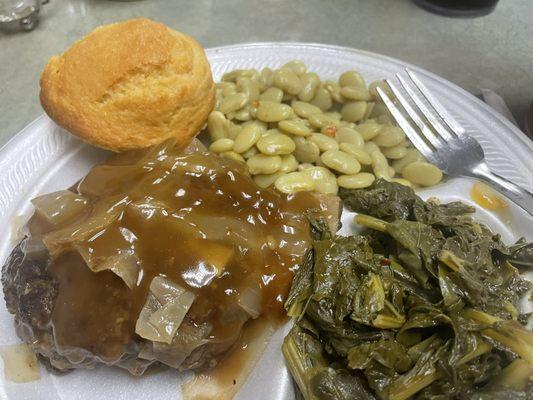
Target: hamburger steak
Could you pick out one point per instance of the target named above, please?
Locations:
(159, 256)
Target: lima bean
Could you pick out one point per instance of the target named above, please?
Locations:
(266, 76)
(322, 120)
(357, 181)
(262, 125)
(389, 137)
(272, 94)
(379, 109)
(323, 142)
(385, 120)
(233, 103)
(310, 83)
(333, 114)
(249, 88)
(226, 88)
(352, 78)
(322, 99)
(294, 127)
(305, 110)
(411, 156)
(250, 153)
(354, 111)
(369, 130)
(401, 181)
(369, 108)
(288, 81)
(229, 90)
(275, 144)
(347, 124)
(395, 152)
(372, 88)
(303, 166)
(355, 93)
(334, 90)
(240, 73)
(243, 114)
(294, 182)
(341, 162)
(306, 151)
(357, 152)
(348, 135)
(234, 130)
(288, 163)
(273, 131)
(232, 156)
(217, 125)
(422, 173)
(370, 147)
(296, 66)
(263, 164)
(221, 145)
(266, 180)
(380, 165)
(222, 85)
(269, 111)
(248, 136)
(324, 180)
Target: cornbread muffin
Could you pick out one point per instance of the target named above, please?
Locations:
(130, 85)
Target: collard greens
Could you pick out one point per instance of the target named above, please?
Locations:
(423, 305)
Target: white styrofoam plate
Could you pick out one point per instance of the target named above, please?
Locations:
(44, 158)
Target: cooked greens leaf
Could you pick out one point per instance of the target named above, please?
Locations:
(315, 376)
(388, 353)
(521, 254)
(301, 287)
(384, 200)
(423, 305)
(338, 384)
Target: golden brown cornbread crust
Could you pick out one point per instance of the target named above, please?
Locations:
(130, 85)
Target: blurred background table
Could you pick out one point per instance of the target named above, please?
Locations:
(494, 52)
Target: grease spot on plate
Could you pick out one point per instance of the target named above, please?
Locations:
(487, 197)
(20, 363)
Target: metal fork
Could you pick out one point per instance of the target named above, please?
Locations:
(443, 141)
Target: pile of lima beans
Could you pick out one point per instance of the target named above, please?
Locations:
(297, 132)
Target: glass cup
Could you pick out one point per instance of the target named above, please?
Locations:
(24, 11)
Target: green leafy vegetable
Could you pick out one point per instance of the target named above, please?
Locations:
(521, 254)
(316, 377)
(423, 305)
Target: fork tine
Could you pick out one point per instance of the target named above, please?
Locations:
(411, 133)
(439, 128)
(441, 111)
(435, 140)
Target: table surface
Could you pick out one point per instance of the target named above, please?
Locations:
(494, 52)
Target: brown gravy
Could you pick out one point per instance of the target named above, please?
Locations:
(191, 217)
(223, 382)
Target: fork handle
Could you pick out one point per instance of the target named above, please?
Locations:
(520, 196)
